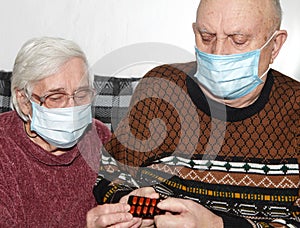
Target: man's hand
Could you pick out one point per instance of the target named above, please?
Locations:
(186, 213)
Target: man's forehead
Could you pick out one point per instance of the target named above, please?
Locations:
(235, 7)
(232, 16)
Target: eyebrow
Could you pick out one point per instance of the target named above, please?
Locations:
(203, 30)
(64, 90)
(55, 90)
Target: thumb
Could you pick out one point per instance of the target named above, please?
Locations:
(172, 205)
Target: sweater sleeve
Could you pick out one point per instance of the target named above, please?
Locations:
(9, 212)
(8, 215)
(143, 145)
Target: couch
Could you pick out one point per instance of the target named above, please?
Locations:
(110, 104)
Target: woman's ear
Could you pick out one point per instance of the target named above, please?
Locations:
(279, 40)
(23, 102)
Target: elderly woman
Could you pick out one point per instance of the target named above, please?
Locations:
(49, 144)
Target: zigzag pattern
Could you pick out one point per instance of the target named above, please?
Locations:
(226, 179)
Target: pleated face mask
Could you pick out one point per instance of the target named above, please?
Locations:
(229, 76)
(61, 127)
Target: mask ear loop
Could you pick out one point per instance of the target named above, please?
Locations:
(268, 41)
(265, 73)
(25, 129)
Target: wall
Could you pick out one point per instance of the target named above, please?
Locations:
(103, 26)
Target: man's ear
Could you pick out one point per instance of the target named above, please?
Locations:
(194, 27)
(279, 40)
(23, 102)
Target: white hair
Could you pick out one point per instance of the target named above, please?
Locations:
(277, 13)
(37, 59)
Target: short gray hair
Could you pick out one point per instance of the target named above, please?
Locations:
(278, 12)
(37, 59)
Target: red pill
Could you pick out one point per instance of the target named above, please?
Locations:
(141, 201)
(153, 202)
(151, 210)
(132, 209)
(145, 209)
(139, 210)
(148, 200)
(134, 200)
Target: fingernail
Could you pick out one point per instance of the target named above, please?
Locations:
(127, 207)
(129, 216)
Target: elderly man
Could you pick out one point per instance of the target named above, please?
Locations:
(218, 138)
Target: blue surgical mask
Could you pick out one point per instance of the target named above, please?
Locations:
(61, 127)
(229, 76)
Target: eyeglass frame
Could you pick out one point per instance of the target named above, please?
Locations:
(43, 98)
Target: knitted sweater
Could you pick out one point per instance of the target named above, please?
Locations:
(38, 189)
(241, 163)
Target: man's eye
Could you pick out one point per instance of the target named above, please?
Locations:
(239, 40)
(207, 37)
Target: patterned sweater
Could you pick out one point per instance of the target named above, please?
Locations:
(241, 163)
(38, 189)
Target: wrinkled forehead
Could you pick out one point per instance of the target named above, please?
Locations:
(70, 76)
(253, 16)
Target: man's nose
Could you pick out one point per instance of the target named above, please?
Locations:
(219, 47)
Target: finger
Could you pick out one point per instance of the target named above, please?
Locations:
(169, 220)
(111, 208)
(121, 219)
(137, 223)
(124, 199)
(104, 212)
(173, 205)
(133, 223)
(153, 195)
(145, 191)
(147, 223)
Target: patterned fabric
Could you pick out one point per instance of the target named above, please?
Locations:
(5, 91)
(113, 98)
(110, 104)
(241, 163)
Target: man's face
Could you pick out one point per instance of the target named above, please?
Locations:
(226, 27)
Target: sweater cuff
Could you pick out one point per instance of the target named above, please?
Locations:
(119, 194)
(105, 192)
(230, 221)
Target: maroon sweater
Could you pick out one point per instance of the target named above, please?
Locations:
(38, 189)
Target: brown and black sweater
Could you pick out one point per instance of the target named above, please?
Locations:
(241, 163)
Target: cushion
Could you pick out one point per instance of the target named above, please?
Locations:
(5, 91)
(112, 99)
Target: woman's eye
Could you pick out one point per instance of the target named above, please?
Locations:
(55, 97)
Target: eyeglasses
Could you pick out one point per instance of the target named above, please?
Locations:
(60, 99)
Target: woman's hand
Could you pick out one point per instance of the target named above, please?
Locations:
(111, 215)
(147, 192)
